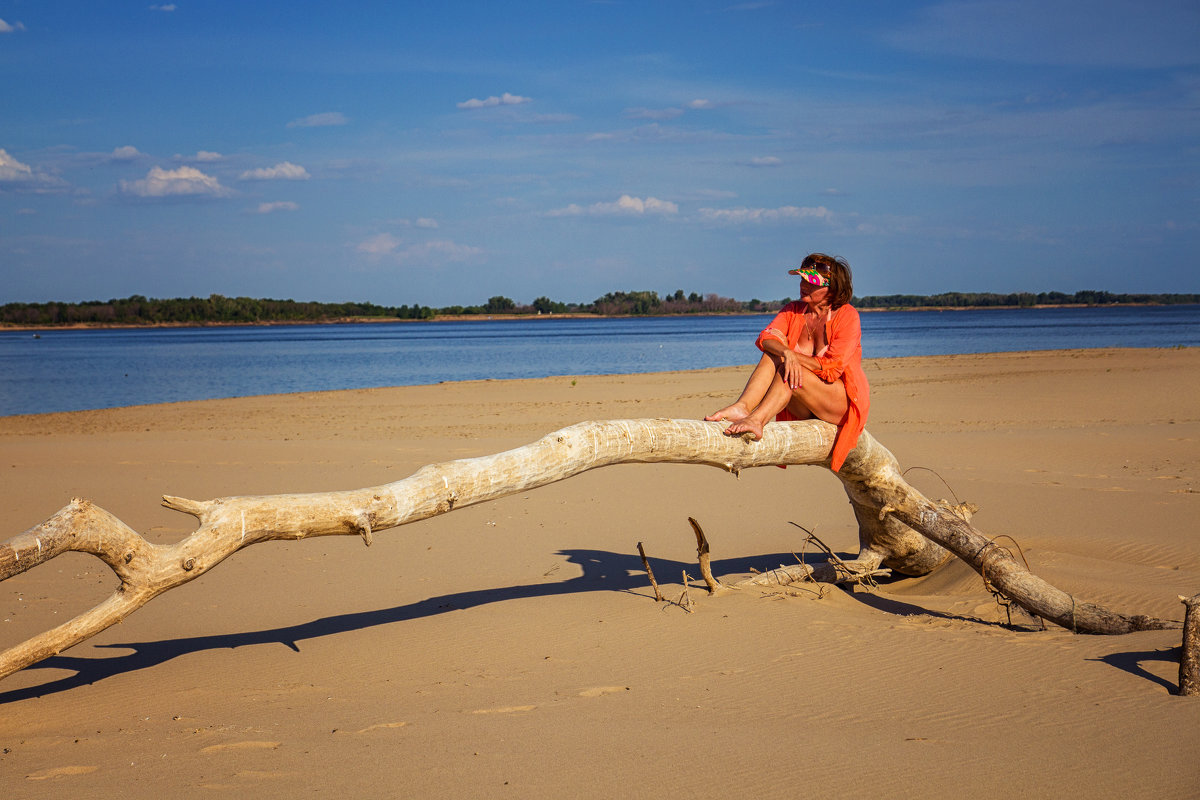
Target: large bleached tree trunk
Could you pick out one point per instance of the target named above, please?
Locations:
(898, 527)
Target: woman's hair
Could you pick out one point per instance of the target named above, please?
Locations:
(841, 282)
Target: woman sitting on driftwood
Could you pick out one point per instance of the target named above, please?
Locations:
(812, 361)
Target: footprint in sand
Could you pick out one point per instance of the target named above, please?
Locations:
(597, 691)
(59, 772)
(251, 745)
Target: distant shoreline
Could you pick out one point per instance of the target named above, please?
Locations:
(71, 326)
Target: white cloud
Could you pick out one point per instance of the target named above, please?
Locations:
(505, 99)
(698, 104)
(24, 178)
(280, 205)
(7, 28)
(182, 182)
(166, 7)
(379, 244)
(765, 161)
(625, 205)
(284, 171)
(126, 153)
(426, 222)
(323, 120)
(201, 155)
(13, 170)
(742, 216)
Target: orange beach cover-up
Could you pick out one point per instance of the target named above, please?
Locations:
(841, 360)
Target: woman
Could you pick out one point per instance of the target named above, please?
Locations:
(812, 362)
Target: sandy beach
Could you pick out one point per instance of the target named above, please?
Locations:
(514, 648)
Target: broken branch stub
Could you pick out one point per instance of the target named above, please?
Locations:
(1189, 656)
(899, 528)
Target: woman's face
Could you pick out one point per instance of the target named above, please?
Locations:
(813, 295)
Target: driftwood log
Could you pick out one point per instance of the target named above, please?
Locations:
(899, 529)
(1189, 656)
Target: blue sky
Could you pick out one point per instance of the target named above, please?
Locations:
(443, 153)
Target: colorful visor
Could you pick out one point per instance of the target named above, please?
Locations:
(811, 276)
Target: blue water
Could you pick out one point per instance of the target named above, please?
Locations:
(69, 370)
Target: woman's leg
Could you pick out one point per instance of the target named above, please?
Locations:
(814, 398)
(756, 389)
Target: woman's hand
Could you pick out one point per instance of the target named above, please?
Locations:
(789, 368)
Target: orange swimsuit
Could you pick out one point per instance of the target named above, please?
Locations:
(841, 360)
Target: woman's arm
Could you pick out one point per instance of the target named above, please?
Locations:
(790, 361)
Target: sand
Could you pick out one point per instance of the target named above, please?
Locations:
(514, 649)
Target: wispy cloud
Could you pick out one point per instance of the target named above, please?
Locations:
(164, 7)
(505, 99)
(11, 28)
(427, 223)
(285, 171)
(1121, 33)
(379, 244)
(280, 205)
(179, 183)
(552, 119)
(657, 114)
(443, 250)
(625, 205)
(201, 155)
(18, 177)
(744, 216)
(393, 248)
(669, 113)
(13, 170)
(323, 120)
(764, 161)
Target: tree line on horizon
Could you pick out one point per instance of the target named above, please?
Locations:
(139, 310)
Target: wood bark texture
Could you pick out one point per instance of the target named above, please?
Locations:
(900, 529)
(1189, 656)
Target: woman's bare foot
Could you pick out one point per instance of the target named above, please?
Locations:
(735, 412)
(746, 425)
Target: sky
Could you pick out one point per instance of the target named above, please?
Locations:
(442, 153)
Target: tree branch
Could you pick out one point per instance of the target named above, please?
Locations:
(898, 527)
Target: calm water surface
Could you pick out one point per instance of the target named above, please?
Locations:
(82, 369)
